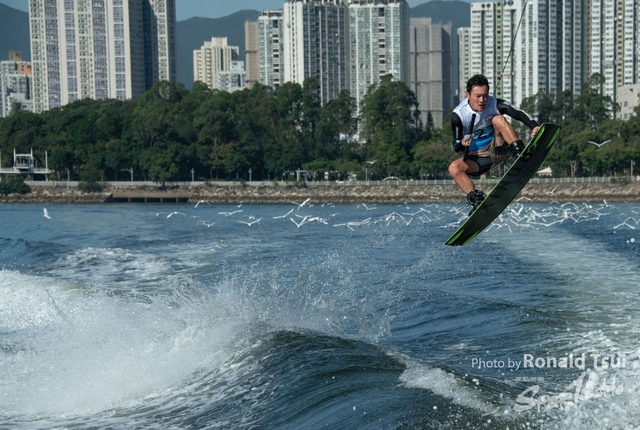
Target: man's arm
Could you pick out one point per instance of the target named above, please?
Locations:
(457, 131)
(520, 115)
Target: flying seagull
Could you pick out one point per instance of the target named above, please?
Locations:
(599, 144)
(46, 213)
(283, 216)
(228, 214)
(301, 204)
(250, 223)
(371, 162)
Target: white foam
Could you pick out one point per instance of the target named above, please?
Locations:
(438, 381)
(78, 352)
(599, 290)
(446, 385)
(26, 302)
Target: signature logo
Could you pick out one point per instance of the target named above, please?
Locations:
(578, 391)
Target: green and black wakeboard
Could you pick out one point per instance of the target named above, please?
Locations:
(522, 169)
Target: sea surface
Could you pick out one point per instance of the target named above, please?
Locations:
(308, 316)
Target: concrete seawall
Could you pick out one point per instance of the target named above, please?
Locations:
(270, 193)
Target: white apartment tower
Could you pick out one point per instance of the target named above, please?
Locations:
(213, 57)
(271, 48)
(15, 86)
(432, 68)
(524, 47)
(379, 44)
(613, 44)
(464, 55)
(233, 79)
(548, 48)
(315, 44)
(99, 48)
(485, 42)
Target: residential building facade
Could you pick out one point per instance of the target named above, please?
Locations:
(251, 54)
(628, 98)
(315, 44)
(271, 48)
(233, 79)
(15, 86)
(432, 68)
(99, 48)
(526, 47)
(464, 55)
(613, 45)
(379, 44)
(213, 57)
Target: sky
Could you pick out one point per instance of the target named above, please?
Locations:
(186, 9)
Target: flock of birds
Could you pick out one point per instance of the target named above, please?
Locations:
(515, 216)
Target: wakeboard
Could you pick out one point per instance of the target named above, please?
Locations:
(521, 170)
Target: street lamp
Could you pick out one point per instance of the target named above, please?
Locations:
(366, 171)
(131, 171)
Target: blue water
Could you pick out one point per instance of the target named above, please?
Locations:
(118, 316)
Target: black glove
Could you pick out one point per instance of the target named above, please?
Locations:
(457, 146)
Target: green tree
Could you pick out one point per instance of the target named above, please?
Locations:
(390, 119)
(591, 106)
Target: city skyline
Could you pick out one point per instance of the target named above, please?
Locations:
(186, 9)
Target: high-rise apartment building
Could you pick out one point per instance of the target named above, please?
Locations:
(271, 48)
(315, 44)
(233, 79)
(432, 68)
(213, 57)
(464, 55)
(548, 47)
(251, 55)
(628, 97)
(378, 43)
(485, 41)
(613, 43)
(15, 86)
(526, 47)
(99, 48)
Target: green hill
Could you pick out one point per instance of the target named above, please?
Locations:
(14, 33)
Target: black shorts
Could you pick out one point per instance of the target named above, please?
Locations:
(484, 163)
(486, 159)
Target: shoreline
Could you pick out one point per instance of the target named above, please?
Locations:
(337, 194)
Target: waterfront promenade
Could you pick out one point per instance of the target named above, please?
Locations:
(392, 191)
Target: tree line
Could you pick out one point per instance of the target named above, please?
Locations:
(171, 133)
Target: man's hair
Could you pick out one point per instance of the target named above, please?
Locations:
(477, 81)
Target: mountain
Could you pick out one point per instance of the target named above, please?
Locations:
(14, 33)
(442, 11)
(193, 32)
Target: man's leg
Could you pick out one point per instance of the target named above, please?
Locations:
(506, 134)
(460, 171)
